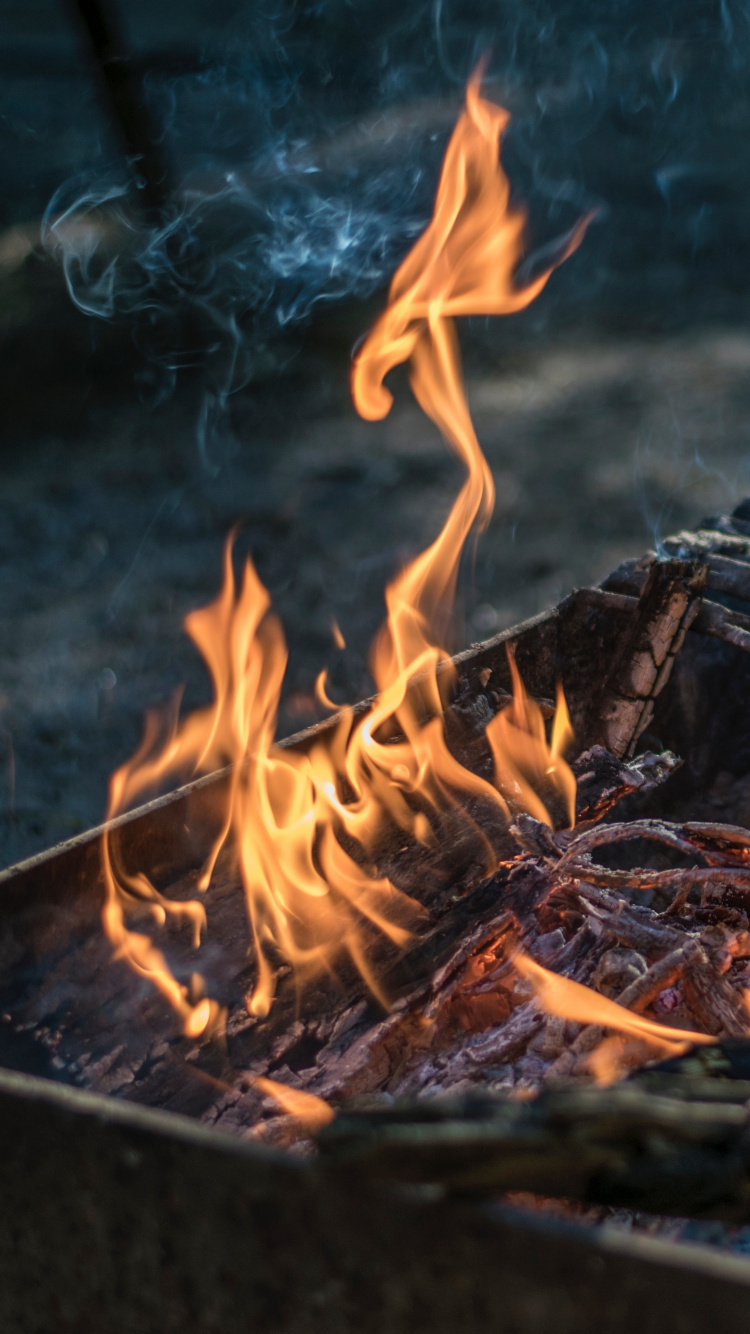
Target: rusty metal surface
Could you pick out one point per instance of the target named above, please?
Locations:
(123, 1219)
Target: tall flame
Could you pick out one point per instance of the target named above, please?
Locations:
(307, 898)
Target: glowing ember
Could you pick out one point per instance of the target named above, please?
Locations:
(307, 898)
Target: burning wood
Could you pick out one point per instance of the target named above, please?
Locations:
(490, 1017)
(432, 904)
(665, 1143)
(306, 829)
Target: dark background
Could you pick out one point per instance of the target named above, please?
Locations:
(164, 378)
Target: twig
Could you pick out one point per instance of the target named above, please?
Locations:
(640, 993)
(623, 1146)
(722, 845)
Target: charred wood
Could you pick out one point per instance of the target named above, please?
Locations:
(667, 607)
(673, 1151)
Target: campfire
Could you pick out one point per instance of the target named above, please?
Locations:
(306, 832)
(488, 930)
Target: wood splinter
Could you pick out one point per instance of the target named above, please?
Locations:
(666, 609)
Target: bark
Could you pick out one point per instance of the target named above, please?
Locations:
(667, 607)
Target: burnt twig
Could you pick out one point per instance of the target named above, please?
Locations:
(726, 847)
(623, 1146)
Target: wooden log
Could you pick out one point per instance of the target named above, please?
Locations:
(603, 780)
(666, 608)
(727, 574)
(720, 539)
(626, 1146)
(719, 1007)
(731, 626)
(730, 576)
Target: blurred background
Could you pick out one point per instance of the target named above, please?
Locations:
(187, 265)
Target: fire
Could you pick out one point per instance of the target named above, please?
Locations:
(524, 762)
(308, 900)
(307, 1107)
(571, 1000)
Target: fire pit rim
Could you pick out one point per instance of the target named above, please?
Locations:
(165, 1127)
(306, 735)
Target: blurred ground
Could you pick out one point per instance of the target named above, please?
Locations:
(112, 523)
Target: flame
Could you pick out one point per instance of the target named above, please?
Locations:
(572, 1000)
(308, 899)
(307, 1107)
(321, 691)
(463, 264)
(305, 895)
(524, 761)
(338, 638)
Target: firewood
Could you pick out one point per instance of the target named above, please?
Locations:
(621, 591)
(724, 846)
(731, 626)
(727, 574)
(666, 971)
(709, 541)
(667, 606)
(603, 780)
(460, 1015)
(471, 1020)
(715, 1003)
(726, 556)
(681, 1150)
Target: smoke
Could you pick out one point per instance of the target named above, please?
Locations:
(244, 255)
(233, 247)
(305, 157)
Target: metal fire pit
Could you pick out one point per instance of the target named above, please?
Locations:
(121, 1217)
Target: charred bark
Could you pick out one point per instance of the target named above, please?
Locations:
(667, 606)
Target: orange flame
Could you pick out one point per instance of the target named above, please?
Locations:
(307, 898)
(304, 893)
(524, 762)
(338, 638)
(307, 1107)
(572, 1000)
(463, 264)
